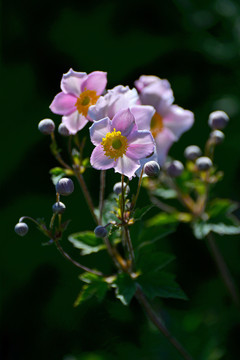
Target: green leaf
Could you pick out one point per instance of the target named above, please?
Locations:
(148, 262)
(219, 207)
(160, 284)
(87, 242)
(139, 213)
(98, 289)
(165, 193)
(57, 173)
(202, 229)
(110, 209)
(125, 288)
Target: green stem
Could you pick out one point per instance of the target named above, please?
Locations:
(158, 323)
(101, 194)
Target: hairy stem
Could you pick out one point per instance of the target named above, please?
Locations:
(75, 262)
(101, 194)
(158, 323)
(223, 269)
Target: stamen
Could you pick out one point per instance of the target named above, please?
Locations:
(114, 144)
(156, 124)
(86, 99)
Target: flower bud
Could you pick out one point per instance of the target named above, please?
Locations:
(46, 126)
(21, 229)
(192, 152)
(204, 163)
(58, 207)
(63, 130)
(117, 189)
(100, 231)
(65, 186)
(175, 168)
(152, 169)
(218, 120)
(217, 136)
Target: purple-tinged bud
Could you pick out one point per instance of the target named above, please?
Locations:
(46, 126)
(217, 136)
(21, 229)
(192, 152)
(218, 120)
(100, 231)
(58, 207)
(152, 169)
(204, 163)
(63, 130)
(117, 189)
(65, 186)
(175, 168)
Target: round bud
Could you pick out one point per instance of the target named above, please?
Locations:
(58, 207)
(218, 120)
(65, 186)
(117, 189)
(152, 169)
(204, 163)
(100, 231)
(63, 130)
(217, 136)
(174, 168)
(21, 229)
(192, 152)
(46, 126)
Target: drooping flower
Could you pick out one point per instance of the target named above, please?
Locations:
(79, 91)
(119, 143)
(119, 98)
(169, 121)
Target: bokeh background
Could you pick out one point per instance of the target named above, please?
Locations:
(196, 46)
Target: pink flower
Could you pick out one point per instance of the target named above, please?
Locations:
(169, 121)
(119, 143)
(79, 92)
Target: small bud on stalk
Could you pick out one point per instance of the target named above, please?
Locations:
(217, 136)
(192, 152)
(58, 207)
(152, 169)
(117, 189)
(21, 229)
(218, 120)
(46, 126)
(175, 168)
(204, 163)
(65, 186)
(100, 231)
(63, 130)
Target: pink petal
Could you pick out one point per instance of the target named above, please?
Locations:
(72, 81)
(127, 166)
(164, 141)
(144, 81)
(63, 104)
(99, 129)
(123, 121)
(96, 80)
(178, 120)
(143, 115)
(99, 160)
(140, 145)
(74, 122)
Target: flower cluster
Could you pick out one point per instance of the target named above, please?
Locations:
(130, 126)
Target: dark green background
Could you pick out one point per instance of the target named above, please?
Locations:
(195, 45)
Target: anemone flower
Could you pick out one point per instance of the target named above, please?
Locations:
(79, 91)
(119, 143)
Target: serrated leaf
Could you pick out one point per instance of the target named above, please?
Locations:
(125, 288)
(160, 284)
(153, 262)
(139, 213)
(98, 289)
(87, 242)
(56, 174)
(165, 193)
(220, 207)
(202, 229)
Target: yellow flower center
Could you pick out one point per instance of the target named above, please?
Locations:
(114, 144)
(86, 99)
(156, 124)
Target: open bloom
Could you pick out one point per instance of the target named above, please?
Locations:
(79, 91)
(169, 121)
(119, 143)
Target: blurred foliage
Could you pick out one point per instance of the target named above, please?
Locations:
(194, 44)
